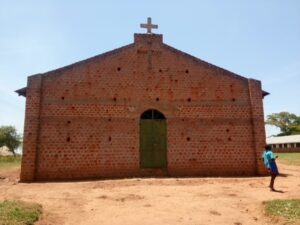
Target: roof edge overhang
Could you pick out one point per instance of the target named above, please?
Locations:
(21, 92)
(264, 93)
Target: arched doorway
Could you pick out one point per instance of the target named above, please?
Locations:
(153, 140)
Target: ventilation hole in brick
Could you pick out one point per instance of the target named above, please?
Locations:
(176, 81)
(68, 139)
(160, 70)
(109, 138)
(229, 139)
(188, 138)
(69, 121)
(189, 99)
(186, 71)
(119, 69)
(115, 99)
(157, 99)
(29, 133)
(233, 99)
(227, 130)
(73, 107)
(109, 119)
(62, 97)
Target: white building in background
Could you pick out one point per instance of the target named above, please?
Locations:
(289, 143)
(5, 152)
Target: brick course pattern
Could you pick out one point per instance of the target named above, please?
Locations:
(82, 120)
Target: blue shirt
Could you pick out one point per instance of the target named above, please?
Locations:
(268, 157)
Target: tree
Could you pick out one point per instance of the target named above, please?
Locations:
(288, 123)
(10, 138)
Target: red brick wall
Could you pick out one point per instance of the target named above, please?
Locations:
(31, 128)
(258, 126)
(83, 119)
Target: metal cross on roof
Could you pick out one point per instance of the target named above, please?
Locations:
(149, 25)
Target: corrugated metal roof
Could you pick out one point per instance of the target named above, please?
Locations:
(284, 139)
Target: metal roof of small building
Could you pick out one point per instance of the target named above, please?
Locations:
(284, 139)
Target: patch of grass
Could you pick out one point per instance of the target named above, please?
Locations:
(10, 161)
(19, 213)
(288, 209)
(289, 158)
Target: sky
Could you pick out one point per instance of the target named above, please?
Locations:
(253, 38)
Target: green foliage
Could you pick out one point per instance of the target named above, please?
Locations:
(19, 213)
(10, 161)
(288, 123)
(288, 209)
(10, 138)
(289, 158)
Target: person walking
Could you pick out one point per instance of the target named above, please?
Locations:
(269, 160)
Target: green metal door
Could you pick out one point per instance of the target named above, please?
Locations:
(153, 143)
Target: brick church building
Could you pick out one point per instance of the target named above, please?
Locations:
(145, 109)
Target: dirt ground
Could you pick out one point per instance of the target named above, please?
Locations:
(160, 201)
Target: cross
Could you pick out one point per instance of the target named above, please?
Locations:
(149, 25)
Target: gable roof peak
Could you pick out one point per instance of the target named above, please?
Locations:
(145, 38)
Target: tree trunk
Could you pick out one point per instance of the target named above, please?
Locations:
(13, 152)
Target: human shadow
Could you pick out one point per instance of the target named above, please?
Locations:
(283, 175)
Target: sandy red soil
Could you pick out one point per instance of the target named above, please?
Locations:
(174, 201)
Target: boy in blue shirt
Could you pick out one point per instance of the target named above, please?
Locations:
(269, 160)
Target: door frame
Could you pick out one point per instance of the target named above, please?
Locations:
(153, 114)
